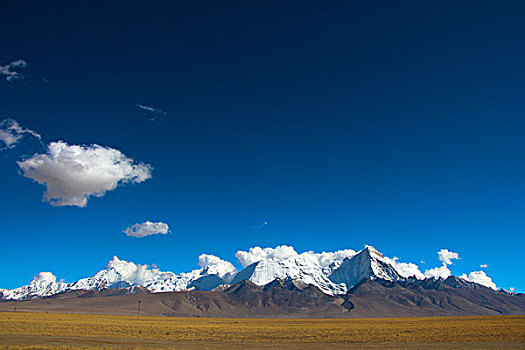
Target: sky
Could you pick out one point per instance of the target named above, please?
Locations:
(225, 126)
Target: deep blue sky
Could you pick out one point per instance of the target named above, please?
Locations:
(395, 124)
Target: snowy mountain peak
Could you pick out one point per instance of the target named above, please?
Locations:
(369, 263)
(333, 273)
(300, 268)
(44, 284)
(373, 252)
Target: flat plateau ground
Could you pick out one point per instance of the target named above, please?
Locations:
(21, 330)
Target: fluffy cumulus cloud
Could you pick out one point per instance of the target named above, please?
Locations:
(44, 277)
(256, 254)
(73, 173)
(147, 228)
(215, 265)
(137, 273)
(405, 269)
(438, 272)
(328, 258)
(446, 256)
(11, 71)
(11, 132)
(284, 252)
(480, 277)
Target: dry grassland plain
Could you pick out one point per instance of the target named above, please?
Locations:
(20, 330)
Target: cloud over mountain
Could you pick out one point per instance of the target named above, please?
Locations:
(480, 277)
(44, 276)
(137, 273)
(438, 272)
(406, 269)
(73, 173)
(147, 228)
(443, 271)
(257, 254)
(282, 262)
(222, 268)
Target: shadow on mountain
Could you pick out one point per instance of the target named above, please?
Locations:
(291, 298)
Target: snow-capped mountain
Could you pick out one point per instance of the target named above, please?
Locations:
(123, 274)
(109, 278)
(203, 279)
(367, 264)
(44, 284)
(334, 273)
(296, 268)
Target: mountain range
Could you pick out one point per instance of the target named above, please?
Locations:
(332, 276)
(356, 285)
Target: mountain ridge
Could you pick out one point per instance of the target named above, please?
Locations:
(290, 298)
(335, 275)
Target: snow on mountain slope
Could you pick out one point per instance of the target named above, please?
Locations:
(296, 268)
(213, 272)
(367, 264)
(332, 272)
(121, 274)
(44, 284)
(283, 262)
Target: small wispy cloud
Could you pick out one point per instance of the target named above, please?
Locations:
(11, 132)
(483, 266)
(258, 227)
(11, 71)
(147, 228)
(154, 113)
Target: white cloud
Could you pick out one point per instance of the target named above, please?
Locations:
(73, 173)
(10, 70)
(215, 265)
(327, 258)
(11, 132)
(512, 289)
(480, 277)
(257, 254)
(44, 276)
(405, 269)
(147, 228)
(314, 268)
(255, 227)
(137, 273)
(446, 256)
(483, 266)
(284, 252)
(438, 272)
(155, 112)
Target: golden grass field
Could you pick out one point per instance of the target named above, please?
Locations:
(22, 330)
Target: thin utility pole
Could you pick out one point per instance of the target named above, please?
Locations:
(138, 312)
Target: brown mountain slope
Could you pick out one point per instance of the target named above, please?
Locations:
(370, 298)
